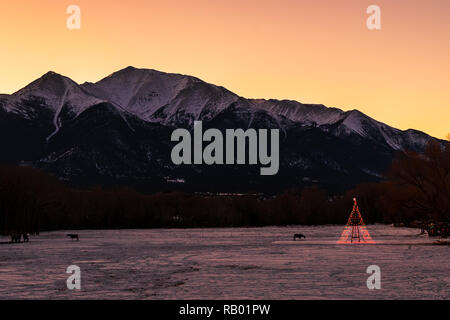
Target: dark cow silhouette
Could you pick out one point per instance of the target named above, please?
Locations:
(15, 237)
(73, 236)
(299, 236)
(26, 237)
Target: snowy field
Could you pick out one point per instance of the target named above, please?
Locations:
(235, 263)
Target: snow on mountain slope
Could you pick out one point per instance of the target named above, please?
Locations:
(163, 97)
(344, 123)
(57, 91)
(139, 91)
(299, 112)
(198, 101)
(356, 122)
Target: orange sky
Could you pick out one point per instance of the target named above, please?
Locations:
(316, 51)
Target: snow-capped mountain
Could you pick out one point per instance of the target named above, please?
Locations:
(161, 97)
(61, 95)
(117, 131)
(344, 124)
(56, 92)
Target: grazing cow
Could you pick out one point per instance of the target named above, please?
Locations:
(73, 236)
(26, 237)
(299, 236)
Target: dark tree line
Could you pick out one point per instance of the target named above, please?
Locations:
(416, 188)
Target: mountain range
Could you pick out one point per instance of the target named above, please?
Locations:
(116, 132)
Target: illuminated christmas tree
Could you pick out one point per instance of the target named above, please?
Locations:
(355, 231)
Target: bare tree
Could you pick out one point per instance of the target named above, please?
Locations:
(427, 175)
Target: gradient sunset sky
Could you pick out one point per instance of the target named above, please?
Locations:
(315, 51)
